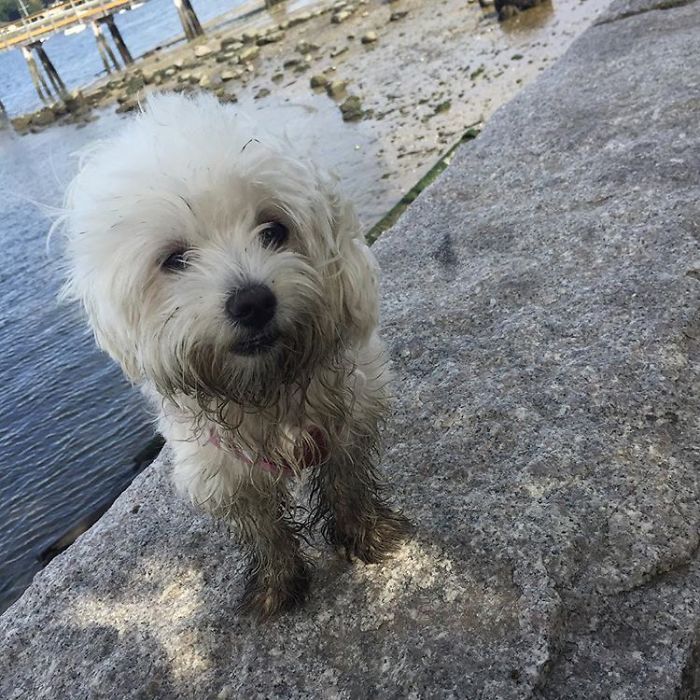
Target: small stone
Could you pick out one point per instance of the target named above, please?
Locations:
(369, 38)
(249, 54)
(318, 81)
(336, 88)
(231, 44)
(337, 51)
(134, 84)
(263, 92)
(339, 17)
(43, 117)
(129, 106)
(271, 38)
(21, 123)
(203, 50)
(277, 78)
(291, 62)
(396, 16)
(352, 109)
(442, 107)
(227, 75)
(302, 67)
(249, 37)
(299, 19)
(304, 47)
(211, 81)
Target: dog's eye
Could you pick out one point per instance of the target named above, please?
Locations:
(274, 234)
(177, 260)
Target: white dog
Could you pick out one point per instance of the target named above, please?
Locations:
(229, 279)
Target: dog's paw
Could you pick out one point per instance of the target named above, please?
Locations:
(266, 595)
(370, 537)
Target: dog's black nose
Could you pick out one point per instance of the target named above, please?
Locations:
(252, 306)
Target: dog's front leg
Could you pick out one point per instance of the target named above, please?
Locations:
(278, 574)
(352, 507)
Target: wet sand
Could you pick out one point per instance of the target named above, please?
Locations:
(407, 77)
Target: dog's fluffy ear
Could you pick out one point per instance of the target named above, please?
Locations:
(107, 323)
(357, 274)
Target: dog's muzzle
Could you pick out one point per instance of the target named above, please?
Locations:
(252, 309)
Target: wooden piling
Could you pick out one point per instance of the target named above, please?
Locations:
(106, 53)
(40, 85)
(55, 79)
(118, 40)
(188, 19)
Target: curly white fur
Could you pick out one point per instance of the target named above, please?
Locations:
(193, 175)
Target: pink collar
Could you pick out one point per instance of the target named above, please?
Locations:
(313, 454)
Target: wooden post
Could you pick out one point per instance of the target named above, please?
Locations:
(40, 85)
(188, 19)
(55, 79)
(118, 41)
(106, 53)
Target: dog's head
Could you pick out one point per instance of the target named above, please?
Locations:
(210, 259)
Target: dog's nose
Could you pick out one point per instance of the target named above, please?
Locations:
(252, 306)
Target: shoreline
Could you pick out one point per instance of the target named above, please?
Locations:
(398, 81)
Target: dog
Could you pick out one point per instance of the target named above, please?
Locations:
(230, 281)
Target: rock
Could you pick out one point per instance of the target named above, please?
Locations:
(369, 38)
(227, 75)
(211, 81)
(277, 77)
(134, 83)
(352, 109)
(263, 92)
(338, 51)
(300, 19)
(442, 107)
(397, 15)
(271, 38)
(231, 44)
(249, 54)
(542, 322)
(203, 50)
(306, 47)
(340, 17)
(302, 67)
(22, 122)
(129, 105)
(291, 62)
(249, 37)
(336, 88)
(170, 72)
(318, 81)
(509, 8)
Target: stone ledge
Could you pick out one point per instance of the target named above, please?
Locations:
(541, 306)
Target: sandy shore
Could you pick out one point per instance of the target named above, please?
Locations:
(386, 88)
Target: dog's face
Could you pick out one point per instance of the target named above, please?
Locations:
(211, 261)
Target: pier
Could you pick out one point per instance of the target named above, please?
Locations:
(29, 34)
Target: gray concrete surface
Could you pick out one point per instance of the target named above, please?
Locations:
(541, 305)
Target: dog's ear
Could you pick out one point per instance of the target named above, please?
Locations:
(109, 330)
(357, 274)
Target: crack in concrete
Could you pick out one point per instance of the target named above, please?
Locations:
(662, 5)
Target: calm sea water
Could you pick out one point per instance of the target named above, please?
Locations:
(70, 426)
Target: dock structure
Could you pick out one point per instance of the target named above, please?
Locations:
(35, 29)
